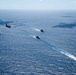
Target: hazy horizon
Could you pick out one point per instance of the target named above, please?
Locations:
(38, 5)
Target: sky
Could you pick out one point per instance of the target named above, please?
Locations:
(38, 4)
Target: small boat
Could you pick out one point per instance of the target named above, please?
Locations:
(42, 30)
(8, 26)
(37, 37)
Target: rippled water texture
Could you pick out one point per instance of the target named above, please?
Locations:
(21, 53)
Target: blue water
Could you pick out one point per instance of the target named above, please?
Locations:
(22, 54)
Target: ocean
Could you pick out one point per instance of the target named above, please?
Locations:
(21, 53)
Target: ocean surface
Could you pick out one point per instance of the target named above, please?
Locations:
(21, 53)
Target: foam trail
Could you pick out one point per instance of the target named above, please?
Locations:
(60, 50)
(33, 36)
(29, 27)
(35, 29)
